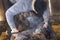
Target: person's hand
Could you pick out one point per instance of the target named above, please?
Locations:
(14, 31)
(45, 25)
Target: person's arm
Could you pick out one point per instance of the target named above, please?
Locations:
(46, 17)
(18, 7)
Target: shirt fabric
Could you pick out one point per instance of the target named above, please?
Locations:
(21, 6)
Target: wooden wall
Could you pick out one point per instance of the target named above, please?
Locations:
(2, 18)
(55, 4)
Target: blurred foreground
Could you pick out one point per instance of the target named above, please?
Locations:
(56, 28)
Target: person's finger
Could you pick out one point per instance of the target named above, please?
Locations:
(15, 35)
(45, 26)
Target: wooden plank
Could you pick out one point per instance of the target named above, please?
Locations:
(2, 18)
(56, 28)
(55, 7)
(3, 36)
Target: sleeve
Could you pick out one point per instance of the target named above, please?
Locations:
(46, 15)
